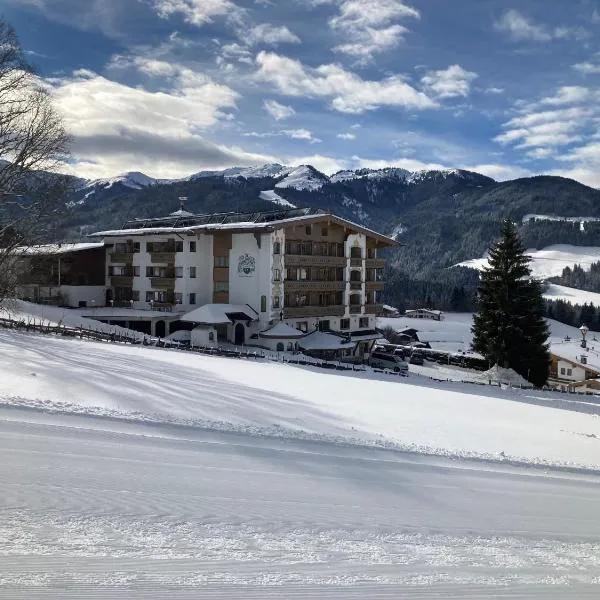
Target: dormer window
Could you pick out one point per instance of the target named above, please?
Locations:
(584, 360)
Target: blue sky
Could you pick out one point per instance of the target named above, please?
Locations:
(171, 87)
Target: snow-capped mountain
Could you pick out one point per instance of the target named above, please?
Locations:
(303, 177)
(274, 170)
(133, 180)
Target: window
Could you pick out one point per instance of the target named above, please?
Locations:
(363, 322)
(569, 372)
(149, 246)
(135, 295)
(562, 370)
(280, 347)
(355, 252)
(221, 286)
(121, 248)
(275, 301)
(179, 246)
(211, 336)
(302, 326)
(192, 298)
(221, 261)
(192, 246)
(149, 296)
(178, 298)
(136, 247)
(324, 231)
(263, 304)
(308, 230)
(290, 346)
(178, 272)
(192, 272)
(276, 275)
(276, 248)
(324, 325)
(344, 323)
(136, 271)
(303, 274)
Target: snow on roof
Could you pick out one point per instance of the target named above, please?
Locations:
(389, 308)
(217, 314)
(181, 213)
(319, 340)
(572, 351)
(425, 310)
(58, 248)
(281, 330)
(110, 312)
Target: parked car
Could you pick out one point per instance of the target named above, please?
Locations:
(417, 358)
(386, 360)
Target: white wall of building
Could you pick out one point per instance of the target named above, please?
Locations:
(576, 373)
(201, 337)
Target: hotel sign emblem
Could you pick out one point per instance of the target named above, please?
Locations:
(246, 265)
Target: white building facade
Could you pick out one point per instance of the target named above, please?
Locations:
(309, 270)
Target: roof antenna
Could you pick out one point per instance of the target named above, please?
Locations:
(182, 201)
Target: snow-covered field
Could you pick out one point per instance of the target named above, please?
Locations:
(572, 295)
(550, 261)
(453, 332)
(133, 472)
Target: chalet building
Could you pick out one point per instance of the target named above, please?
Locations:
(573, 367)
(424, 313)
(63, 274)
(234, 277)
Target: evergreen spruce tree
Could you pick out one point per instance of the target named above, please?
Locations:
(509, 328)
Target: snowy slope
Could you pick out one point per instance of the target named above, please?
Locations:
(550, 261)
(272, 196)
(133, 180)
(572, 295)
(281, 400)
(257, 172)
(303, 177)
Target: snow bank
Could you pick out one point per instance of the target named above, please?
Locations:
(503, 376)
(265, 398)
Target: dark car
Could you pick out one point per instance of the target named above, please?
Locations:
(417, 358)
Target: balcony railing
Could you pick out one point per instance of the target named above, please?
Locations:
(314, 286)
(374, 285)
(162, 282)
(355, 309)
(162, 257)
(356, 262)
(121, 257)
(375, 263)
(304, 260)
(313, 311)
(356, 286)
(373, 309)
(121, 281)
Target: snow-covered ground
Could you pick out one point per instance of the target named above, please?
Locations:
(273, 196)
(133, 472)
(550, 261)
(572, 295)
(453, 332)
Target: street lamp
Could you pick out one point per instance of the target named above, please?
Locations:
(584, 331)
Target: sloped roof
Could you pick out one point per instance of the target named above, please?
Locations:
(281, 331)
(319, 340)
(219, 314)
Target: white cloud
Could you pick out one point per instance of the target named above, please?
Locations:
(301, 134)
(586, 164)
(196, 12)
(346, 136)
(325, 164)
(371, 26)
(519, 28)
(588, 68)
(271, 35)
(501, 172)
(494, 90)
(449, 83)
(278, 111)
(116, 127)
(348, 92)
(569, 95)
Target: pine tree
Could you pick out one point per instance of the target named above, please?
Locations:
(509, 327)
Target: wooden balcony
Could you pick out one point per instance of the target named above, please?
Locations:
(162, 257)
(355, 309)
(303, 260)
(121, 257)
(162, 282)
(373, 309)
(314, 286)
(356, 262)
(356, 286)
(375, 263)
(298, 312)
(121, 281)
(374, 286)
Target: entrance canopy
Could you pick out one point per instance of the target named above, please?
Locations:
(221, 314)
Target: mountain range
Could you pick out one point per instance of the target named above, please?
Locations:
(442, 217)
